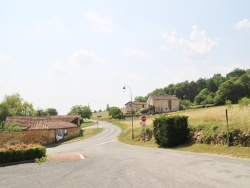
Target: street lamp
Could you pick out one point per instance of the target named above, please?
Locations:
(124, 88)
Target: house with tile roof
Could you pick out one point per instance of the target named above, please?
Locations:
(136, 106)
(44, 130)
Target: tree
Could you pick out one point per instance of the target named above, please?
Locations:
(140, 99)
(158, 92)
(84, 111)
(170, 89)
(229, 90)
(52, 111)
(14, 105)
(182, 90)
(244, 102)
(245, 81)
(185, 104)
(115, 113)
(235, 73)
(201, 84)
(214, 83)
(41, 112)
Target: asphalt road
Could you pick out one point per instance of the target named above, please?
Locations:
(109, 163)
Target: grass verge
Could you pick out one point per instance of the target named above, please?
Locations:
(241, 152)
(87, 123)
(87, 133)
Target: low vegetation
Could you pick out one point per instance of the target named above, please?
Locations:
(21, 152)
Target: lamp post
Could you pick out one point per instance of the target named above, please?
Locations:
(124, 88)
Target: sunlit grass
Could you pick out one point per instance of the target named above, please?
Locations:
(242, 152)
(87, 123)
(84, 134)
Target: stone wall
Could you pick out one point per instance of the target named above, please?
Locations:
(43, 137)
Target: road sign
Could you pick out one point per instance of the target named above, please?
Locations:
(143, 118)
(143, 124)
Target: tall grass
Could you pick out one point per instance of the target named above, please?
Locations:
(207, 118)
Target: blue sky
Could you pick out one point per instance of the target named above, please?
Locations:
(57, 54)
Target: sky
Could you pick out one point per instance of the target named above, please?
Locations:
(62, 53)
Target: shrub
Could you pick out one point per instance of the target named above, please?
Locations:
(244, 102)
(170, 131)
(21, 152)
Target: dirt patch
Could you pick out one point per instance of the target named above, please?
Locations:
(65, 156)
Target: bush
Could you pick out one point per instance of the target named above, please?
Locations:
(170, 131)
(21, 152)
(244, 102)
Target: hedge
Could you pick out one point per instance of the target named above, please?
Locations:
(21, 152)
(170, 131)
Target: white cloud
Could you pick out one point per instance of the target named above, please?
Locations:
(135, 53)
(243, 24)
(4, 57)
(100, 23)
(198, 43)
(58, 68)
(84, 56)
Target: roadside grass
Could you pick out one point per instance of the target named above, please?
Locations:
(87, 123)
(210, 119)
(84, 134)
(241, 152)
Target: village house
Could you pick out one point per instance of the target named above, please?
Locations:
(163, 103)
(136, 106)
(44, 130)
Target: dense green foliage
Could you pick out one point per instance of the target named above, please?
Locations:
(170, 131)
(14, 105)
(115, 113)
(10, 127)
(21, 152)
(215, 90)
(47, 112)
(52, 111)
(84, 111)
(41, 112)
(140, 99)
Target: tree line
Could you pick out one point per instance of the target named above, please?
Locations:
(214, 91)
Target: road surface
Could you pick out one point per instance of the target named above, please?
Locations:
(109, 163)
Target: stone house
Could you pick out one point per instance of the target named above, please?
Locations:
(163, 103)
(136, 106)
(44, 130)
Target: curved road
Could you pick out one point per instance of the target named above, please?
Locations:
(109, 163)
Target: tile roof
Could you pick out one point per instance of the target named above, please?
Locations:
(51, 125)
(27, 121)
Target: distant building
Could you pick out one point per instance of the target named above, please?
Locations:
(136, 106)
(163, 103)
